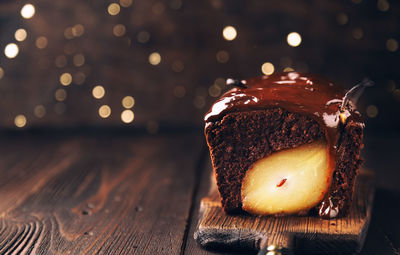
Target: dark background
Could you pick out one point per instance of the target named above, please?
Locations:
(172, 58)
(342, 40)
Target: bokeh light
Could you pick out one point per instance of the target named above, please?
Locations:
(104, 111)
(125, 3)
(177, 66)
(288, 69)
(113, 9)
(77, 30)
(179, 91)
(98, 92)
(128, 102)
(11, 50)
(222, 56)
(41, 42)
(357, 33)
(20, 121)
(267, 68)
(20, 35)
(65, 79)
(61, 61)
(392, 45)
(39, 111)
(79, 78)
(154, 58)
(383, 5)
(229, 33)
(78, 60)
(60, 95)
(1, 72)
(293, 39)
(127, 116)
(372, 111)
(143, 37)
(27, 11)
(342, 18)
(119, 30)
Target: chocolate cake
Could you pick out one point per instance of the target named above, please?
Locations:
(285, 144)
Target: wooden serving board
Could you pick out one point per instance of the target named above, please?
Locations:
(300, 235)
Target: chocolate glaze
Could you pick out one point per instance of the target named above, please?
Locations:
(302, 93)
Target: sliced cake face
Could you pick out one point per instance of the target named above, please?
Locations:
(278, 146)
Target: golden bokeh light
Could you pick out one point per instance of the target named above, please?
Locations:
(391, 86)
(342, 18)
(20, 121)
(288, 69)
(179, 91)
(127, 116)
(293, 39)
(128, 102)
(214, 90)
(79, 78)
(154, 58)
(372, 111)
(158, 8)
(267, 68)
(105, 111)
(11, 50)
(143, 37)
(77, 30)
(60, 61)
(113, 9)
(1, 72)
(222, 56)
(125, 3)
(66, 79)
(392, 45)
(229, 33)
(177, 66)
(39, 111)
(119, 30)
(199, 102)
(60, 95)
(357, 33)
(98, 92)
(27, 11)
(20, 35)
(41, 42)
(383, 5)
(68, 33)
(78, 60)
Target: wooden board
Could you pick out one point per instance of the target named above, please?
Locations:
(96, 194)
(309, 235)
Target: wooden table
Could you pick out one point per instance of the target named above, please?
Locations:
(117, 193)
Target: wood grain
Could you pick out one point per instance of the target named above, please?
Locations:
(98, 195)
(313, 235)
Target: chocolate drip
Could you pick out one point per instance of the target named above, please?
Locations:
(306, 94)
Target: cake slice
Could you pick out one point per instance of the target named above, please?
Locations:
(285, 144)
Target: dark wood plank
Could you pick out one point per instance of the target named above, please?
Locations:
(192, 247)
(108, 195)
(312, 234)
